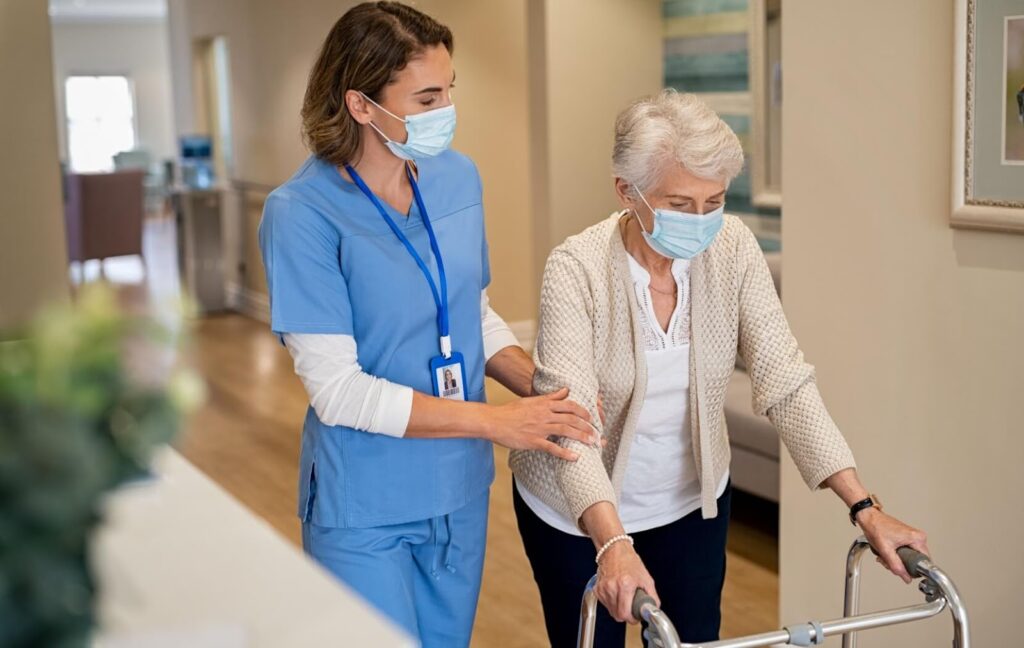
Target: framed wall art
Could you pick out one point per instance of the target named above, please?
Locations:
(988, 115)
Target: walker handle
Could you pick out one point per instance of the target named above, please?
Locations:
(640, 599)
(660, 630)
(912, 560)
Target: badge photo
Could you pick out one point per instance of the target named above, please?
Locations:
(449, 377)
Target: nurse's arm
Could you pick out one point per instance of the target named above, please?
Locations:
(513, 369)
(506, 361)
(341, 393)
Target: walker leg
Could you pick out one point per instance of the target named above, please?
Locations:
(851, 600)
(588, 616)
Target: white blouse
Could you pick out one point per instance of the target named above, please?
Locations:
(661, 483)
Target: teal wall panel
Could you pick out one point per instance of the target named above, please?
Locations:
(677, 8)
(704, 60)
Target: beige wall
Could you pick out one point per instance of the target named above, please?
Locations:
(492, 100)
(916, 329)
(135, 49)
(588, 60)
(189, 24)
(268, 83)
(33, 252)
(557, 57)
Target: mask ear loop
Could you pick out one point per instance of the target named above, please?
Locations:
(635, 213)
(381, 133)
(382, 107)
(390, 114)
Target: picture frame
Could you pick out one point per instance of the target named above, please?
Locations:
(987, 187)
(765, 73)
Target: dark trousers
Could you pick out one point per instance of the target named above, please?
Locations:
(686, 559)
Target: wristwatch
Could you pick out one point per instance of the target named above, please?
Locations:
(871, 501)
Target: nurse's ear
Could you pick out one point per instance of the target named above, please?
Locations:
(358, 106)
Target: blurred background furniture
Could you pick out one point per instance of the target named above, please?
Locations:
(752, 438)
(155, 182)
(200, 243)
(103, 214)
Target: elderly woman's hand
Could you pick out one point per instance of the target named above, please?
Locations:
(619, 575)
(887, 534)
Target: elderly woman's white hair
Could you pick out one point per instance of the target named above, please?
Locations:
(673, 128)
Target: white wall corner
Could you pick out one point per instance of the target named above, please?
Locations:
(526, 332)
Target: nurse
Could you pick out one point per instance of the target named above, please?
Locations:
(377, 269)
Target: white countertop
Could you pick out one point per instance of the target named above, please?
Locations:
(181, 562)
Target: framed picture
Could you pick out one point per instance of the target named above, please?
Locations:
(766, 98)
(988, 115)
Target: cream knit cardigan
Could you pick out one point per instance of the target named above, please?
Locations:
(589, 341)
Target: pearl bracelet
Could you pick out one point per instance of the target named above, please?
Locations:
(608, 545)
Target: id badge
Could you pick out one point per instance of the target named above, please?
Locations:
(449, 377)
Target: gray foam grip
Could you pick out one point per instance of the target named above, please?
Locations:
(912, 559)
(641, 598)
(800, 635)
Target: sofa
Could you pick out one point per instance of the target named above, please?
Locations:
(753, 439)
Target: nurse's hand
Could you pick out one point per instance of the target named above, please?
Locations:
(619, 575)
(527, 424)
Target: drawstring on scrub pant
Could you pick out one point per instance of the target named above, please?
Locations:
(442, 554)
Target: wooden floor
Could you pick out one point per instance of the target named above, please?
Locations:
(246, 437)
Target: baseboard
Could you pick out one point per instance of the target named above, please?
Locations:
(233, 295)
(250, 303)
(526, 332)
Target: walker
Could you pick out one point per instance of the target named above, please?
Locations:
(939, 593)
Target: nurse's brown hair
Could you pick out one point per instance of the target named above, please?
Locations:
(366, 47)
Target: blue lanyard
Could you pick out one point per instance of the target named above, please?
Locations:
(440, 299)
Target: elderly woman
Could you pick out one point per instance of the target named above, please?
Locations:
(648, 308)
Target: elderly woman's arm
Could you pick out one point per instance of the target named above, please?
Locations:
(784, 389)
(565, 358)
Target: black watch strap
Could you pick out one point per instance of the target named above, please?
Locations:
(860, 506)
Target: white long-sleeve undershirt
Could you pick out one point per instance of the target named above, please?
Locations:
(341, 393)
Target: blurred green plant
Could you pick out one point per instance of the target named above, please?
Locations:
(86, 395)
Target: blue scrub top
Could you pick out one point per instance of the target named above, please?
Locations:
(334, 266)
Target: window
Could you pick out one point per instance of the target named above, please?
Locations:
(101, 121)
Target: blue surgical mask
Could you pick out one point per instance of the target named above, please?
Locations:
(429, 133)
(679, 235)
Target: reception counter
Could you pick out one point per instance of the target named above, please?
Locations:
(180, 562)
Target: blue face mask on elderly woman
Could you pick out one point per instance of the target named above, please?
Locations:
(429, 133)
(679, 235)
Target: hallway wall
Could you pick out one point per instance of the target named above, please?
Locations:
(588, 60)
(509, 54)
(33, 250)
(268, 82)
(916, 328)
(137, 49)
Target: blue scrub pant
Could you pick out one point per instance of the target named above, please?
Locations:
(424, 575)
